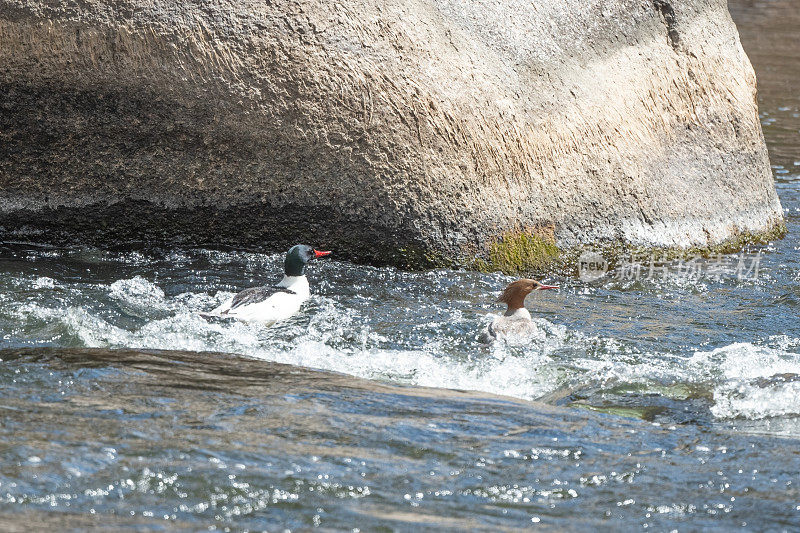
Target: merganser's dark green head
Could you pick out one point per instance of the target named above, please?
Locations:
(298, 256)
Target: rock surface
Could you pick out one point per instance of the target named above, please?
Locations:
(379, 129)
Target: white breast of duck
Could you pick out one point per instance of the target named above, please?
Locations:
(270, 304)
(517, 324)
(516, 321)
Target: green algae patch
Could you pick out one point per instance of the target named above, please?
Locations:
(520, 252)
(675, 391)
(647, 413)
(533, 251)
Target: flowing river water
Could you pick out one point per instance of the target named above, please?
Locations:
(668, 400)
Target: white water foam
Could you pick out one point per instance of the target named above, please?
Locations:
(137, 291)
(332, 337)
(753, 381)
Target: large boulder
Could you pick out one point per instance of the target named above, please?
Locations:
(425, 128)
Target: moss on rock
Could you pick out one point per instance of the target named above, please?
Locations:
(617, 252)
(533, 251)
(521, 252)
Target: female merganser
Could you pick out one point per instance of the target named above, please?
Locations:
(279, 302)
(516, 321)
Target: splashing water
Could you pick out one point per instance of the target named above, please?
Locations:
(601, 346)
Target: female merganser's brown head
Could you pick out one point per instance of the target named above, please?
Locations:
(514, 295)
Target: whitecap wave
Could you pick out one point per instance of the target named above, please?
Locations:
(440, 353)
(752, 381)
(331, 337)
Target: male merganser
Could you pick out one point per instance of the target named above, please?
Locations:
(279, 302)
(516, 321)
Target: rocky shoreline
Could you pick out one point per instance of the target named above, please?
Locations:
(401, 133)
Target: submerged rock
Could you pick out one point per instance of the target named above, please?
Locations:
(419, 130)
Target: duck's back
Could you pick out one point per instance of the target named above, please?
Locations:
(268, 304)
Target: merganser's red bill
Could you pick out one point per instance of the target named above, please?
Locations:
(321, 253)
(545, 287)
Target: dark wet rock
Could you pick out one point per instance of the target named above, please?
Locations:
(179, 440)
(386, 131)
